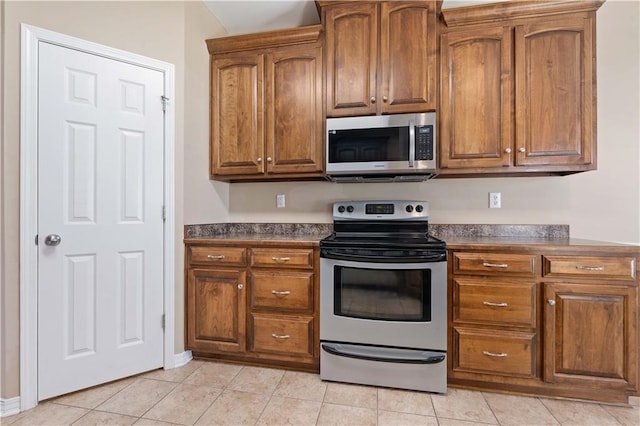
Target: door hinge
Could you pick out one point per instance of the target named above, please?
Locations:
(36, 239)
(164, 214)
(164, 100)
(163, 321)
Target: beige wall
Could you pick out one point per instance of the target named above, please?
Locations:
(154, 29)
(602, 204)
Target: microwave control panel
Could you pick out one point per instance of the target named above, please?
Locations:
(424, 142)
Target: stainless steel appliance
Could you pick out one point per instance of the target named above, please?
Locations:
(399, 147)
(383, 297)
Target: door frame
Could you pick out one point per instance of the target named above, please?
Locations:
(30, 38)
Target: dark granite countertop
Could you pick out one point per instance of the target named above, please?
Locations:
(457, 236)
(308, 238)
(538, 243)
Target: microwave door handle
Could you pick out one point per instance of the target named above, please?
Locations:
(412, 143)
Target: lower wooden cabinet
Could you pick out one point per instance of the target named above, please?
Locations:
(253, 302)
(565, 326)
(216, 306)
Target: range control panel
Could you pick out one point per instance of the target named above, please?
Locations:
(376, 210)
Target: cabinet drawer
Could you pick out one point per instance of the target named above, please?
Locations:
(494, 352)
(290, 290)
(282, 257)
(583, 266)
(282, 334)
(491, 301)
(209, 255)
(495, 263)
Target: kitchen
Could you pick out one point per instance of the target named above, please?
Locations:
(584, 201)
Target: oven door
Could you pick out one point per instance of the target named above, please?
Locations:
(385, 304)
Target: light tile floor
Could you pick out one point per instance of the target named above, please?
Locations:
(211, 393)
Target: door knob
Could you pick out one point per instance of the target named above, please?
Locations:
(551, 302)
(52, 239)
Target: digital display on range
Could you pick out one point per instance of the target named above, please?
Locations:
(379, 208)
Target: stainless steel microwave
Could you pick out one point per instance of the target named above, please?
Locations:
(400, 147)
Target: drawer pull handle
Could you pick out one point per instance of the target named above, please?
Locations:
(589, 268)
(218, 257)
(280, 336)
(280, 293)
(280, 259)
(500, 355)
(497, 305)
(495, 265)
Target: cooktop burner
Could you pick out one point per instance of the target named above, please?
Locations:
(382, 224)
(382, 241)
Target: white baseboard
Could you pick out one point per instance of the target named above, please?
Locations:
(182, 359)
(9, 407)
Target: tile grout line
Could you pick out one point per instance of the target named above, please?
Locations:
(216, 398)
(490, 408)
(271, 394)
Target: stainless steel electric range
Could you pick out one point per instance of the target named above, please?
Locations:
(383, 297)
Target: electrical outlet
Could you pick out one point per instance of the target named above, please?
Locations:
(280, 201)
(495, 200)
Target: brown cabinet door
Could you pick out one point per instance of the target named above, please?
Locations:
(407, 57)
(237, 135)
(216, 310)
(351, 59)
(555, 111)
(476, 102)
(294, 120)
(591, 335)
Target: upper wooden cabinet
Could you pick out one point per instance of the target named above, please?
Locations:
(266, 106)
(518, 88)
(381, 57)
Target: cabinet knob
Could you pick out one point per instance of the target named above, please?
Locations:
(373, 99)
(240, 286)
(522, 149)
(551, 302)
(259, 160)
(384, 99)
(508, 150)
(268, 159)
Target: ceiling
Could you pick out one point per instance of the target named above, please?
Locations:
(253, 16)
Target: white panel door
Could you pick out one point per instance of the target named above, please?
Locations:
(100, 189)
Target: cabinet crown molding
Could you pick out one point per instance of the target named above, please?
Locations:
(264, 40)
(508, 10)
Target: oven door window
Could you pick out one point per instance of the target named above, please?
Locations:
(379, 294)
(366, 145)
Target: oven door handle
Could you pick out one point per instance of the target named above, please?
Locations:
(364, 258)
(399, 356)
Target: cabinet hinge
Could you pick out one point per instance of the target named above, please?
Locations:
(163, 321)
(164, 214)
(164, 100)
(36, 239)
